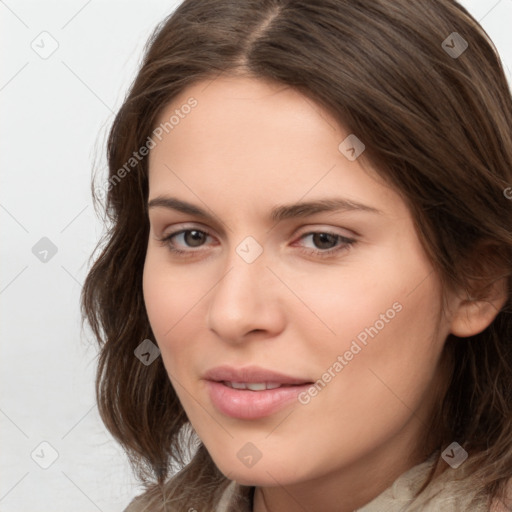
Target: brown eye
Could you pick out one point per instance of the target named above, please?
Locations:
(185, 240)
(194, 238)
(325, 240)
(325, 244)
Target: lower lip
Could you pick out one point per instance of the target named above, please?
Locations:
(250, 405)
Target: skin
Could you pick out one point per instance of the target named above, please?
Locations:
(248, 146)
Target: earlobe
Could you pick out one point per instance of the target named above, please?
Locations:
(475, 315)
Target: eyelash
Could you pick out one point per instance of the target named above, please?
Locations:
(347, 243)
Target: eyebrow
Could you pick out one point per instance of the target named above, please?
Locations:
(277, 214)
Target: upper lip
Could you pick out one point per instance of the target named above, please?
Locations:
(251, 374)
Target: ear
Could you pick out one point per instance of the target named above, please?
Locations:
(473, 315)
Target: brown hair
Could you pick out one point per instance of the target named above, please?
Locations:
(437, 127)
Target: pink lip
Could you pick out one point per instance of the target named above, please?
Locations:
(247, 404)
(251, 374)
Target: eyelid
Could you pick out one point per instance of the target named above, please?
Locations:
(315, 228)
(185, 226)
(324, 228)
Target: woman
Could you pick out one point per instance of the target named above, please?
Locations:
(307, 277)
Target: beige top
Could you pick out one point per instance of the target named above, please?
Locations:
(444, 491)
(397, 498)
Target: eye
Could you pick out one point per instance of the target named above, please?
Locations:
(327, 243)
(191, 238)
(324, 244)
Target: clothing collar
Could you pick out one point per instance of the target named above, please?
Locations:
(440, 496)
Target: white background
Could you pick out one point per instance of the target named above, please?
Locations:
(55, 116)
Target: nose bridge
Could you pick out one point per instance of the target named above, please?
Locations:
(244, 299)
(239, 290)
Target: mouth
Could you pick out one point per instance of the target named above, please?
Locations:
(251, 393)
(248, 376)
(257, 386)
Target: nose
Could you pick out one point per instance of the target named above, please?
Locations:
(246, 302)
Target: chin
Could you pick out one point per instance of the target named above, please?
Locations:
(262, 474)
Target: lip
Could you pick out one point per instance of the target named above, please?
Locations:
(251, 374)
(247, 404)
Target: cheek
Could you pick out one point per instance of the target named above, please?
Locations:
(159, 298)
(383, 362)
(173, 305)
(167, 292)
(364, 299)
(375, 340)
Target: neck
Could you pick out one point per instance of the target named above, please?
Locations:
(348, 488)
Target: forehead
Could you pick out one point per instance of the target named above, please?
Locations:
(246, 140)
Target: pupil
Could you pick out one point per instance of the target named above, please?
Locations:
(324, 240)
(194, 238)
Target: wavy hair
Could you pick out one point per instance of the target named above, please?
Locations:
(437, 127)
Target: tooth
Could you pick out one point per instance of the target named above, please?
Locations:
(253, 386)
(238, 385)
(256, 386)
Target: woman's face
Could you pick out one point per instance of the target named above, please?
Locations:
(334, 300)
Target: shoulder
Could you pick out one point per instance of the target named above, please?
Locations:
(234, 498)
